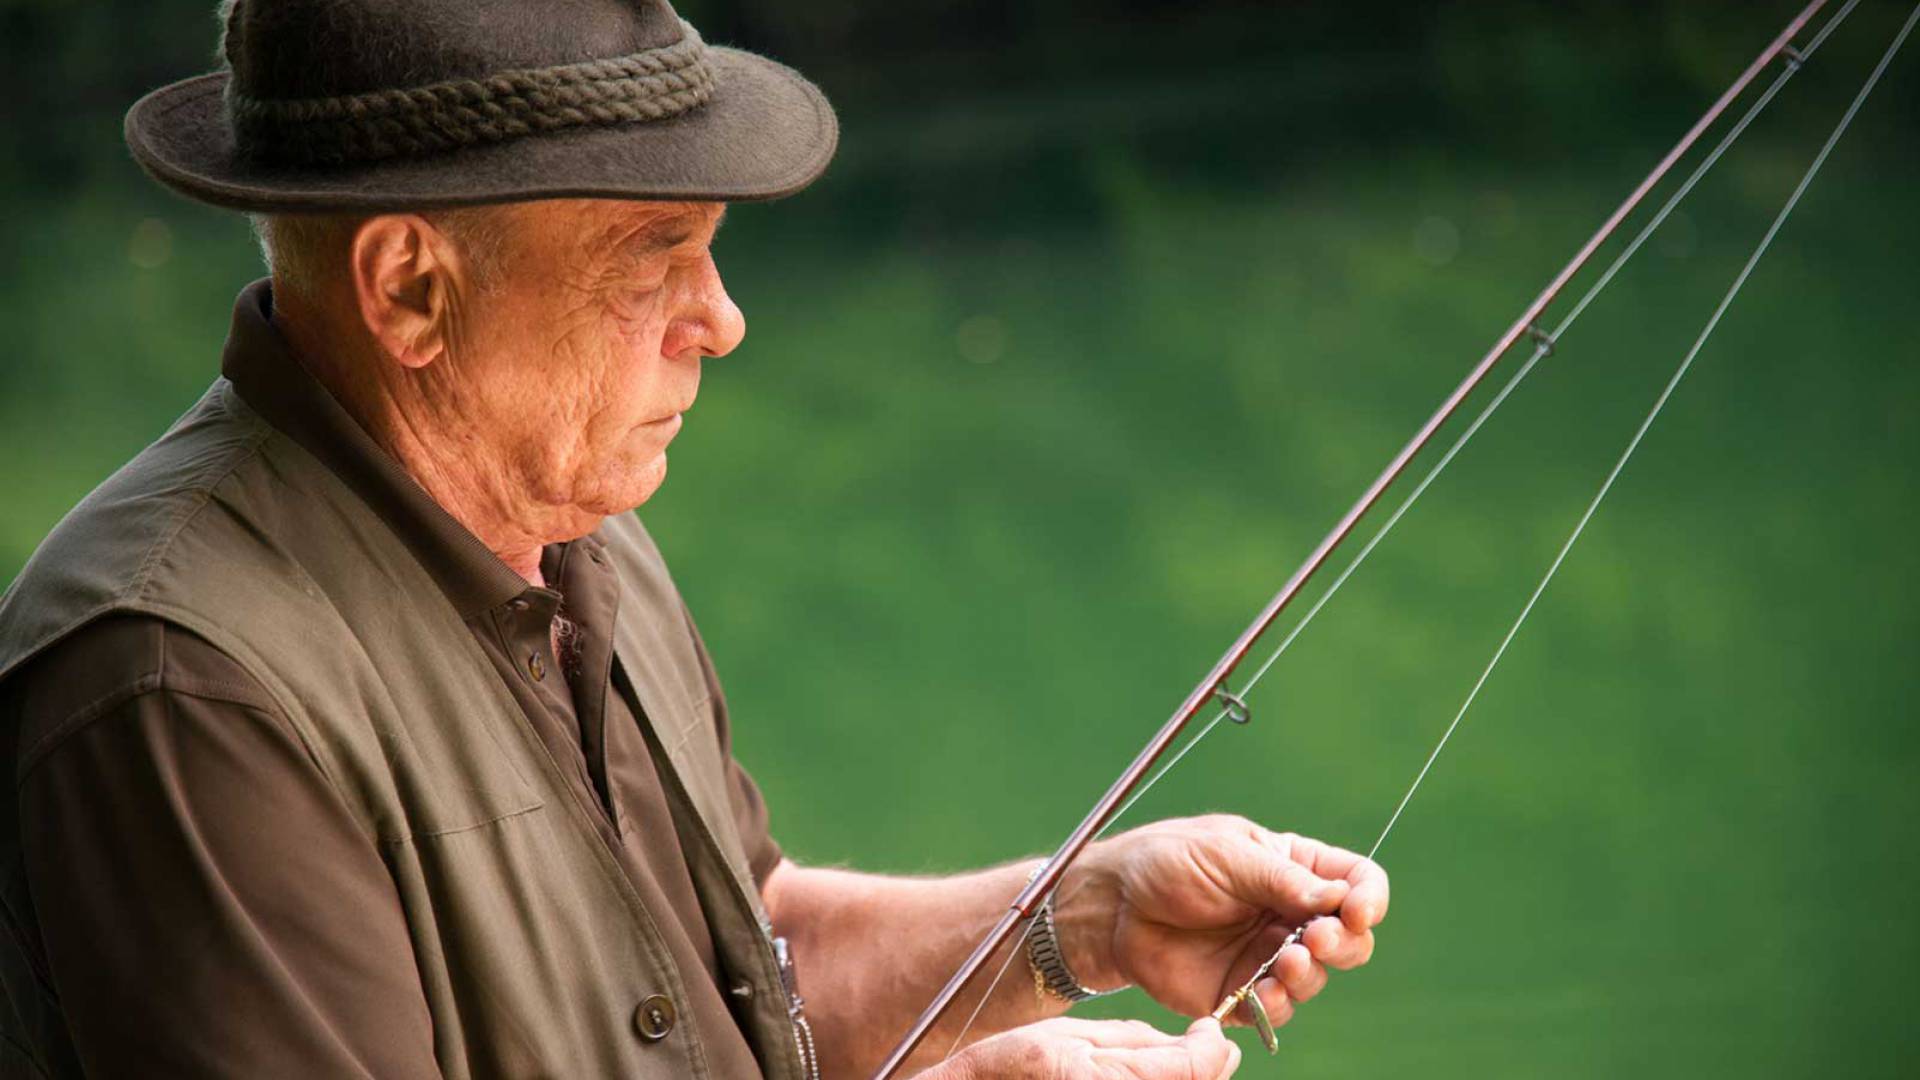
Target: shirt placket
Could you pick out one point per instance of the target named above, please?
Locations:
(591, 604)
(525, 639)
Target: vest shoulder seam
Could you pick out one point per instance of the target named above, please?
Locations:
(268, 700)
(33, 754)
(153, 683)
(200, 496)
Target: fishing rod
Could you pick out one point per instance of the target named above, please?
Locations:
(1215, 686)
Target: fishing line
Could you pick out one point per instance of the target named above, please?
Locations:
(1543, 349)
(1214, 687)
(1633, 444)
(1660, 403)
(1019, 946)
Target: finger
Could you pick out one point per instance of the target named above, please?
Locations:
(1366, 903)
(1302, 888)
(1214, 1054)
(1325, 859)
(1329, 861)
(1118, 1034)
(1204, 1053)
(1276, 1000)
(1333, 944)
(1297, 971)
(1286, 884)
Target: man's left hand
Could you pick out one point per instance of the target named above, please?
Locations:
(1187, 909)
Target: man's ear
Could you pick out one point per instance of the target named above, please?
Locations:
(404, 272)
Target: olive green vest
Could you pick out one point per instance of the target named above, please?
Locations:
(532, 946)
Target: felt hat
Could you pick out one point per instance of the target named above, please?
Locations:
(366, 105)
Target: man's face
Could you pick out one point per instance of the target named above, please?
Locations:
(584, 351)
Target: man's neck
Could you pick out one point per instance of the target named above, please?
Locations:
(448, 456)
(465, 488)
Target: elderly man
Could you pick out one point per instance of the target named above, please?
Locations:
(356, 725)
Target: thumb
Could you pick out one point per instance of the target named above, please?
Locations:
(1214, 1055)
(1280, 884)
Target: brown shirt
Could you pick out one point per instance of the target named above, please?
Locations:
(205, 904)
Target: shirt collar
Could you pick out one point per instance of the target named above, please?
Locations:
(270, 378)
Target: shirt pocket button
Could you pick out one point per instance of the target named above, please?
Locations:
(654, 1018)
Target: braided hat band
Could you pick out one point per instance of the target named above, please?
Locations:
(386, 124)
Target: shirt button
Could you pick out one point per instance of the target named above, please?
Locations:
(654, 1018)
(536, 667)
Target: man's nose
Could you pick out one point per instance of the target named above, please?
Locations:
(712, 322)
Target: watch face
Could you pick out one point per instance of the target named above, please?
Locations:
(1263, 1024)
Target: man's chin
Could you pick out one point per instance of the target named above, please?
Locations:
(629, 489)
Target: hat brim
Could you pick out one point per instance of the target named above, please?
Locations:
(766, 132)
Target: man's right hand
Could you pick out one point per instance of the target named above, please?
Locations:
(1070, 1049)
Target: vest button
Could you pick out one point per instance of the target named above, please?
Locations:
(654, 1018)
(536, 667)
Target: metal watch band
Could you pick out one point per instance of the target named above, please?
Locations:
(1050, 964)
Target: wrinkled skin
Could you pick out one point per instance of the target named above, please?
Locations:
(1201, 902)
(585, 367)
(535, 397)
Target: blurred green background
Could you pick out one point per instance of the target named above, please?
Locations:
(1106, 312)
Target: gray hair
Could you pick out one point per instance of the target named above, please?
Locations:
(303, 251)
